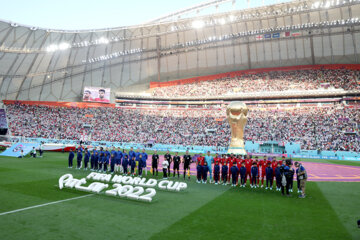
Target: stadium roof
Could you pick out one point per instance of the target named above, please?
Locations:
(84, 14)
(43, 64)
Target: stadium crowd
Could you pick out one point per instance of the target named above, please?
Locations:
(270, 81)
(325, 128)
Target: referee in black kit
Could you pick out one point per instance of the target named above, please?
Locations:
(167, 156)
(155, 163)
(187, 161)
(176, 160)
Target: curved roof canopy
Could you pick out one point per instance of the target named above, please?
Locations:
(44, 64)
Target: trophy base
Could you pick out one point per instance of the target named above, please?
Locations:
(237, 150)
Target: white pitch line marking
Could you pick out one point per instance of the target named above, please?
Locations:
(45, 204)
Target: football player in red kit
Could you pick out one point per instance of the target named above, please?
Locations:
(224, 169)
(199, 167)
(200, 160)
(262, 170)
(239, 160)
(282, 160)
(248, 163)
(273, 166)
(259, 170)
(223, 159)
(217, 159)
(230, 161)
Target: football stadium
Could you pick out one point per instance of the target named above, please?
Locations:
(213, 121)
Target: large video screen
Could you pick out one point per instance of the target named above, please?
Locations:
(96, 94)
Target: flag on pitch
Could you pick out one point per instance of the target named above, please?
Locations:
(295, 33)
(267, 35)
(259, 37)
(276, 35)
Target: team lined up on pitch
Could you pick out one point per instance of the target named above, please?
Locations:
(238, 169)
(223, 169)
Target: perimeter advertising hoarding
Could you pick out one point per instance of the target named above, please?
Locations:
(96, 94)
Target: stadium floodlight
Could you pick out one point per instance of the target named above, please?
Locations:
(64, 46)
(197, 24)
(52, 48)
(55, 47)
(315, 5)
(103, 40)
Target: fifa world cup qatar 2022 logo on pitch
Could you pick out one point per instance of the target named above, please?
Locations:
(237, 116)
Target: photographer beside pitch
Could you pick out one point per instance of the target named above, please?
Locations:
(302, 175)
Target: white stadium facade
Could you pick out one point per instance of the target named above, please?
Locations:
(55, 65)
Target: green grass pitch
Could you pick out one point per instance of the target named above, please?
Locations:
(203, 211)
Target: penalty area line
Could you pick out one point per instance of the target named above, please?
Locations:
(45, 204)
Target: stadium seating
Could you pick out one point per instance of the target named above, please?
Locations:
(267, 82)
(327, 128)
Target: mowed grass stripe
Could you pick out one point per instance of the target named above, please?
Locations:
(26, 182)
(91, 218)
(213, 213)
(256, 214)
(344, 198)
(104, 216)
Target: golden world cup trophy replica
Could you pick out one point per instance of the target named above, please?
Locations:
(237, 116)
